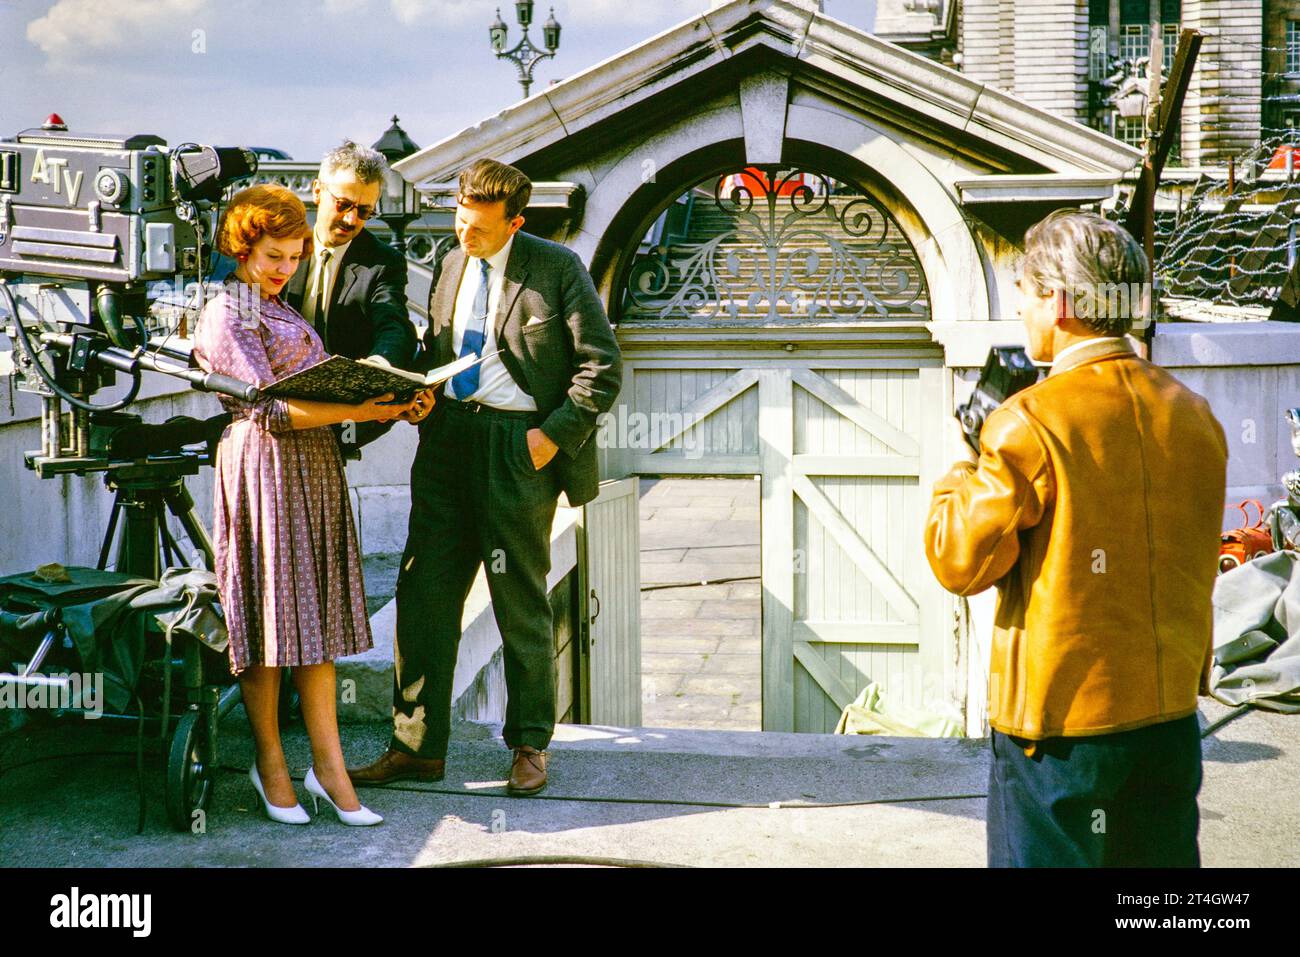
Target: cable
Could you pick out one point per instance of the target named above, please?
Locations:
(774, 805)
(1232, 715)
(49, 380)
(695, 548)
(554, 859)
(201, 292)
(711, 581)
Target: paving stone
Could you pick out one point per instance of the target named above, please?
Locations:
(697, 705)
(669, 663)
(684, 530)
(677, 643)
(692, 572)
(743, 642)
(712, 501)
(728, 533)
(734, 686)
(692, 531)
(726, 554)
(728, 664)
(670, 609)
(687, 592)
(664, 685)
(691, 514)
(656, 556)
(731, 486)
(729, 629)
(731, 608)
(737, 724)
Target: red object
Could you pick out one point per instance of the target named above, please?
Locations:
(1240, 545)
(1279, 158)
(54, 122)
(757, 183)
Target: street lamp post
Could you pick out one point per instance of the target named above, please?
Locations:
(523, 54)
(399, 206)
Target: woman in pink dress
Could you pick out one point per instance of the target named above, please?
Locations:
(288, 565)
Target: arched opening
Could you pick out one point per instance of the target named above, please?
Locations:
(772, 245)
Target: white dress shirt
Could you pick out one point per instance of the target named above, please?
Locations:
(313, 280)
(496, 387)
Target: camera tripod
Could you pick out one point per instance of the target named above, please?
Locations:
(145, 466)
(145, 492)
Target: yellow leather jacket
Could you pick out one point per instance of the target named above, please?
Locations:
(1095, 508)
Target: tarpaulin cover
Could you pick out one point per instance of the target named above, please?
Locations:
(1257, 634)
(106, 615)
(870, 713)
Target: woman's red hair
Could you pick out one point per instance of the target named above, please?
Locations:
(267, 209)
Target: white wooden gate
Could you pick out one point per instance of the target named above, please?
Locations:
(609, 550)
(845, 445)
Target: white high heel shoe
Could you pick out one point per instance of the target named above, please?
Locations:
(362, 817)
(283, 815)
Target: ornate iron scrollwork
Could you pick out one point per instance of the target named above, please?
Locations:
(778, 246)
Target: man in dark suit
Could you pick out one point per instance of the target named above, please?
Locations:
(503, 441)
(353, 287)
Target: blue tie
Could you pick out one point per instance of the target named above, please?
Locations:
(465, 384)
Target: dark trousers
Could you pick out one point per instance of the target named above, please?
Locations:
(475, 500)
(1126, 799)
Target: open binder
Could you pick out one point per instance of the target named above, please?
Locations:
(353, 381)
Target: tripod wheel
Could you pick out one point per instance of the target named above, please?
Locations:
(189, 770)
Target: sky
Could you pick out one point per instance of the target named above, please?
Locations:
(299, 75)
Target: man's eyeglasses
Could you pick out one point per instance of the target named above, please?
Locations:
(343, 205)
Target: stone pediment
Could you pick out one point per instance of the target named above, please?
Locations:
(806, 53)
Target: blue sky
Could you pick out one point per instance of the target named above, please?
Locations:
(296, 74)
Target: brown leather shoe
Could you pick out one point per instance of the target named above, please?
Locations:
(528, 772)
(396, 766)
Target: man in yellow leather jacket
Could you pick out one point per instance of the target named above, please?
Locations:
(1095, 507)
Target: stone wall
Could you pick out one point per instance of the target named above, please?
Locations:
(1250, 372)
(1221, 114)
(1036, 50)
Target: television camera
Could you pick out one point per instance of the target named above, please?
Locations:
(92, 228)
(89, 226)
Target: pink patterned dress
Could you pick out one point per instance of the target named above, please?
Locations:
(288, 565)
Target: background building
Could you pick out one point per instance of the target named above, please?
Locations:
(1086, 60)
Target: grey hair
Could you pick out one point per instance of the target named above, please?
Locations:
(1097, 264)
(369, 166)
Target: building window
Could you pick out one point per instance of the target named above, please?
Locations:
(1134, 41)
(1171, 46)
(1293, 46)
(1130, 130)
(1098, 53)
